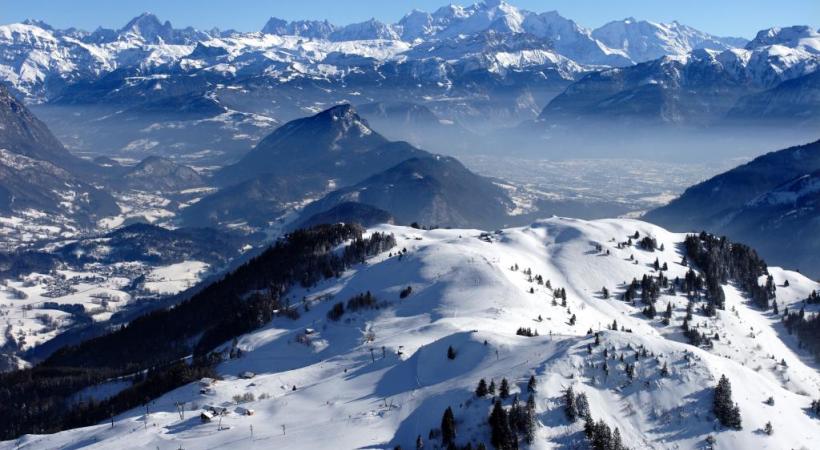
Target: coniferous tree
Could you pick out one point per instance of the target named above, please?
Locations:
(481, 390)
(448, 427)
(570, 408)
(531, 385)
(501, 435)
(419, 443)
(726, 411)
(516, 415)
(617, 444)
(650, 311)
(529, 420)
(451, 353)
(582, 405)
(491, 387)
(504, 391)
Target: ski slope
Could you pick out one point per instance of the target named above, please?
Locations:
(378, 378)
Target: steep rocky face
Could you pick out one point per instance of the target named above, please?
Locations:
(37, 174)
(23, 133)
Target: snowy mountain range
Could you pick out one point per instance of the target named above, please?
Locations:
(259, 249)
(702, 86)
(209, 95)
(37, 60)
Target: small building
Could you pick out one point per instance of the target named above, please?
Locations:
(207, 382)
(206, 391)
(215, 410)
(247, 375)
(206, 416)
(241, 410)
(309, 331)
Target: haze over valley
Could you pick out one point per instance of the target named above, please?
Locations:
(475, 227)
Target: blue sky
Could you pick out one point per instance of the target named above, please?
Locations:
(722, 17)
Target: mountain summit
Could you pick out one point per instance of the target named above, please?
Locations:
(335, 143)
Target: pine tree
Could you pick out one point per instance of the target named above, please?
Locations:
(451, 353)
(448, 427)
(726, 411)
(491, 388)
(774, 307)
(570, 408)
(664, 370)
(589, 426)
(516, 415)
(582, 405)
(650, 311)
(531, 385)
(769, 429)
(529, 420)
(501, 435)
(504, 391)
(481, 390)
(617, 444)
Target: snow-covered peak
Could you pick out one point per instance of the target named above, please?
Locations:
(368, 30)
(275, 25)
(451, 12)
(490, 15)
(313, 29)
(38, 23)
(799, 36)
(644, 40)
(147, 26)
(417, 24)
(345, 118)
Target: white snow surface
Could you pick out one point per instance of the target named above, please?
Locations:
(33, 54)
(466, 295)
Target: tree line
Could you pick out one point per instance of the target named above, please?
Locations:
(35, 400)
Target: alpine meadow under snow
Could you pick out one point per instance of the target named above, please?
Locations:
(476, 227)
(380, 376)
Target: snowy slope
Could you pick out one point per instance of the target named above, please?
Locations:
(322, 389)
(644, 40)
